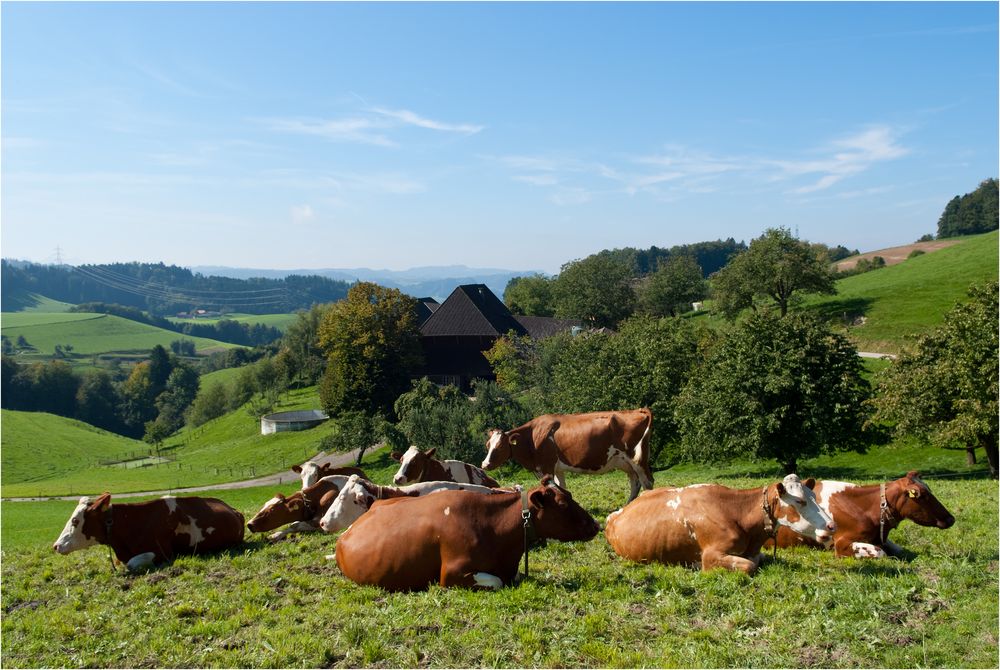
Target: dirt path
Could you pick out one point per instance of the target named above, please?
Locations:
(280, 478)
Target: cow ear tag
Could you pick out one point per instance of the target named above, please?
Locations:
(513, 441)
(914, 493)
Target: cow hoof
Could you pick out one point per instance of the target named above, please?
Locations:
(141, 562)
(488, 581)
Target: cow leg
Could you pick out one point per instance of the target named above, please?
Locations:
(713, 558)
(892, 549)
(297, 527)
(633, 481)
(141, 562)
(559, 476)
(845, 547)
(461, 573)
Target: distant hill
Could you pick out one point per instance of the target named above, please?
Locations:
(436, 281)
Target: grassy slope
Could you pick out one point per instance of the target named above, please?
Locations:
(93, 333)
(912, 297)
(282, 605)
(25, 301)
(226, 449)
(279, 321)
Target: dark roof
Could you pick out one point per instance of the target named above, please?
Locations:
(471, 309)
(424, 308)
(546, 326)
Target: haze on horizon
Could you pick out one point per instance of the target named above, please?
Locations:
(509, 135)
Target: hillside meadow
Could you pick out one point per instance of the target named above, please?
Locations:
(284, 605)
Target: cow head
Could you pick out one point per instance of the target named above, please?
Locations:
(557, 516)
(353, 501)
(311, 472)
(914, 501)
(499, 448)
(278, 511)
(411, 465)
(797, 509)
(85, 526)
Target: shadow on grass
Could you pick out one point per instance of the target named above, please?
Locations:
(843, 311)
(835, 472)
(19, 300)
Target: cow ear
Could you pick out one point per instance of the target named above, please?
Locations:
(781, 489)
(913, 474)
(297, 469)
(430, 452)
(810, 483)
(396, 456)
(537, 498)
(279, 496)
(102, 503)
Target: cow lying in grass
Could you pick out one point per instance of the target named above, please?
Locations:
(421, 466)
(358, 495)
(455, 538)
(147, 533)
(865, 514)
(311, 472)
(712, 525)
(302, 509)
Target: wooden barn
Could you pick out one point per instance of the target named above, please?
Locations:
(456, 334)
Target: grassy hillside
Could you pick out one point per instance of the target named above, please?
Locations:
(910, 298)
(226, 449)
(25, 301)
(92, 334)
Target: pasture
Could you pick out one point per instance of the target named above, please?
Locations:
(279, 321)
(92, 334)
(284, 605)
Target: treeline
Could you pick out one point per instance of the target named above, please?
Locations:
(224, 330)
(972, 213)
(164, 290)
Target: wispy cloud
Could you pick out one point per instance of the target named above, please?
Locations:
(371, 125)
(302, 213)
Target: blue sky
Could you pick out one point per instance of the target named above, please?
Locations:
(513, 135)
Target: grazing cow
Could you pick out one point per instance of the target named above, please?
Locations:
(145, 533)
(358, 495)
(865, 514)
(421, 466)
(716, 526)
(303, 509)
(455, 538)
(592, 443)
(311, 472)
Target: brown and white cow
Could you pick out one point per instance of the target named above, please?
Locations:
(863, 524)
(358, 495)
(592, 443)
(312, 472)
(421, 466)
(145, 533)
(302, 509)
(455, 538)
(713, 525)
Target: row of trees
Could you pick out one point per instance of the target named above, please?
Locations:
(972, 213)
(603, 289)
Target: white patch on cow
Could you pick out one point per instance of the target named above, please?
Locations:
(697, 486)
(865, 550)
(171, 503)
(457, 471)
(209, 530)
(191, 530)
(72, 537)
(271, 503)
(814, 521)
(309, 474)
(828, 489)
(675, 503)
(690, 530)
(487, 580)
(447, 511)
(613, 514)
(141, 562)
(347, 507)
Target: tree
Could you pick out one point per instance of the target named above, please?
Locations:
(97, 401)
(302, 357)
(372, 345)
(55, 388)
(596, 290)
(181, 390)
(357, 430)
(210, 403)
(672, 288)
(944, 389)
(138, 400)
(972, 213)
(775, 266)
(529, 296)
(775, 388)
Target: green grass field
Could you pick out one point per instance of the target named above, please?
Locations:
(92, 334)
(284, 605)
(912, 297)
(279, 321)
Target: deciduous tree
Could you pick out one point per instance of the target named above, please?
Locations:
(672, 288)
(596, 290)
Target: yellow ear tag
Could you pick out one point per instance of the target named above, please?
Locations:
(914, 493)
(513, 441)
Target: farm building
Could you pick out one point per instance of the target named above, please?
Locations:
(465, 325)
(281, 422)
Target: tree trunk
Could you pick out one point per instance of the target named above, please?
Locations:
(970, 456)
(990, 447)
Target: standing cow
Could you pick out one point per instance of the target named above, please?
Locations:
(421, 466)
(455, 538)
(712, 525)
(592, 443)
(865, 514)
(145, 533)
